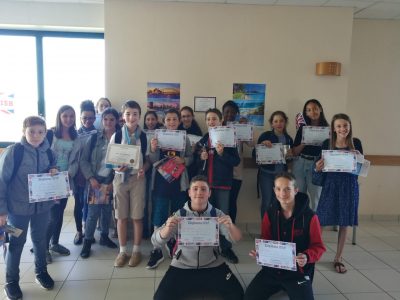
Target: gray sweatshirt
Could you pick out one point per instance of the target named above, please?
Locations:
(14, 194)
(193, 257)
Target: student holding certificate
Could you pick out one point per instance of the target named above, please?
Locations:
(338, 204)
(307, 154)
(167, 196)
(218, 163)
(230, 111)
(31, 156)
(266, 173)
(100, 180)
(129, 186)
(289, 219)
(197, 269)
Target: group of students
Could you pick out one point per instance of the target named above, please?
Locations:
(209, 184)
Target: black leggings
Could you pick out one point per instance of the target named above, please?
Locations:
(179, 283)
(56, 221)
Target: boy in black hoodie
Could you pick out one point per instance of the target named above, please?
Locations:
(290, 220)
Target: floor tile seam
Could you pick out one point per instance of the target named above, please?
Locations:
(367, 293)
(339, 292)
(372, 254)
(362, 274)
(66, 278)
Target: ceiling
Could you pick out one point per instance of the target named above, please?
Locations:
(363, 9)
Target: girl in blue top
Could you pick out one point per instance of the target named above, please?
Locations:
(65, 143)
(266, 173)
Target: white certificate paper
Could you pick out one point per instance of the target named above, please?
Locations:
(315, 135)
(123, 155)
(276, 254)
(270, 156)
(339, 161)
(171, 139)
(198, 231)
(194, 138)
(46, 187)
(224, 135)
(244, 132)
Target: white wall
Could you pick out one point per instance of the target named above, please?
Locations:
(374, 105)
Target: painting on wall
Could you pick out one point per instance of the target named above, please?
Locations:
(163, 96)
(250, 97)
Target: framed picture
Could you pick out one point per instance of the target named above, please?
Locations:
(202, 104)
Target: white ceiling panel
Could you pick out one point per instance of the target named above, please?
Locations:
(301, 2)
(356, 4)
(380, 10)
(363, 9)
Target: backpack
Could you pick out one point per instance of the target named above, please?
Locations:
(19, 154)
(143, 142)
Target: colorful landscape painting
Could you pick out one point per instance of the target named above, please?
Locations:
(250, 97)
(163, 96)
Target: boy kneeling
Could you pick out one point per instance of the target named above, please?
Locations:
(289, 219)
(197, 269)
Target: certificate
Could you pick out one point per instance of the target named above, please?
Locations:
(276, 254)
(222, 134)
(171, 139)
(202, 104)
(270, 156)
(339, 161)
(315, 135)
(123, 155)
(244, 132)
(46, 187)
(194, 139)
(198, 231)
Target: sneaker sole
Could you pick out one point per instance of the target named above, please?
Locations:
(156, 265)
(62, 254)
(5, 293)
(47, 289)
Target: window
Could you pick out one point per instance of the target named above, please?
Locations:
(43, 70)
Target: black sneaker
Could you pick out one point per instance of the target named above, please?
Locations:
(49, 258)
(156, 258)
(85, 253)
(60, 249)
(13, 291)
(170, 246)
(230, 255)
(106, 241)
(78, 239)
(44, 280)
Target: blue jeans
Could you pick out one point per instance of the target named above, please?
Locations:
(38, 223)
(302, 170)
(266, 181)
(80, 209)
(220, 199)
(94, 213)
(161, 204)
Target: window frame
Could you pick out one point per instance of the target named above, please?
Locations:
(39, 35)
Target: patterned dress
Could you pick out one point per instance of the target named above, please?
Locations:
(338, 204)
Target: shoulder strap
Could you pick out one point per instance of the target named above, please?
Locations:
(50, 136)
(93, 140)
(143, 145)
(18, 154)
(182, 212)
(50, 156)
(213, 212)
(118, 137)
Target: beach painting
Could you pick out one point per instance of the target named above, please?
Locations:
(163, 96)
(250, 97)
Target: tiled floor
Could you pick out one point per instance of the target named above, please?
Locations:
(373, 268)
